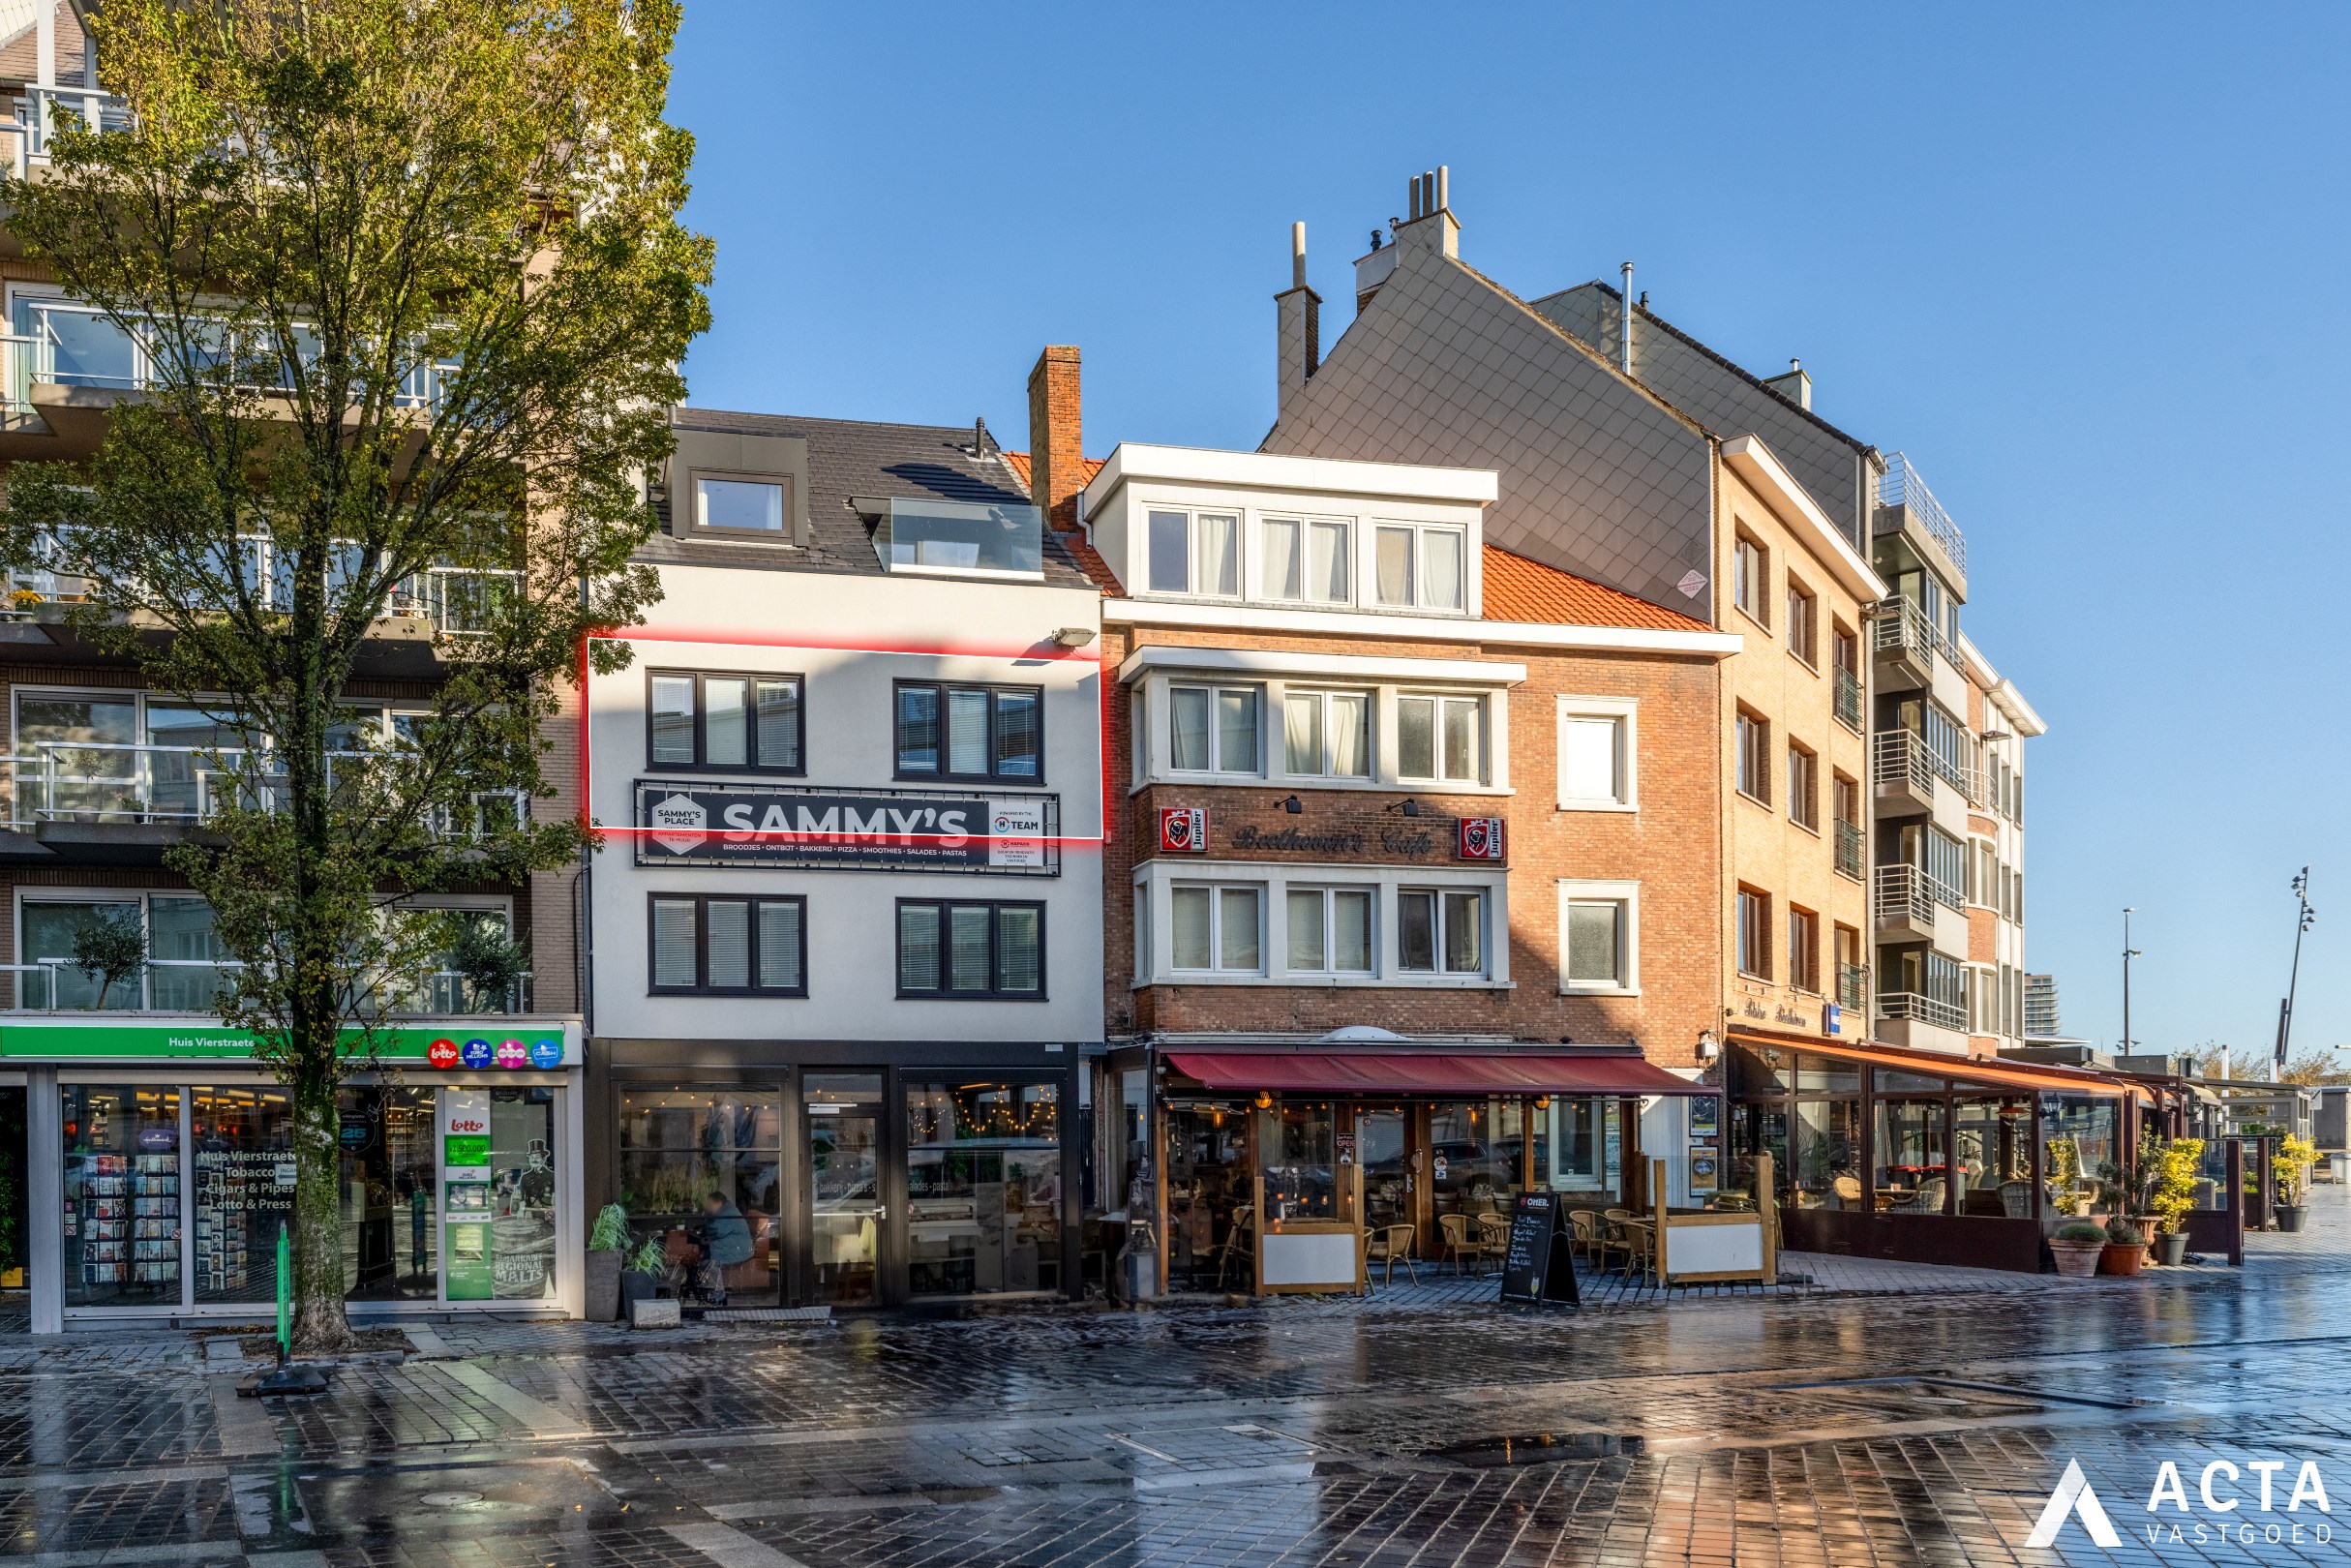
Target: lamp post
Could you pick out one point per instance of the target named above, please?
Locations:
(2128, 953)
(2303, 915)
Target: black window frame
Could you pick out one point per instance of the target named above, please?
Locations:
(702, 945)
(942, 773)
(702, 712)
(946, 990)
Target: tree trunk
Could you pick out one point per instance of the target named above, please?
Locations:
(321, 1326)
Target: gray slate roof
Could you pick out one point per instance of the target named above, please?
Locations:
(1726, 399)
(847, 457)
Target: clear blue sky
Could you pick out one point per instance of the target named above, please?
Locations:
(2084, 264)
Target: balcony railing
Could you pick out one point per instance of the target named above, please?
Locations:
(1926, 1010)
(1849, 698)
(181, 985)
(1902, 627)
(1900, 485)
(1904, 891)
(1853, 851)
(1853, 986)
(86, 782)
(1900, 757)
(43, 111)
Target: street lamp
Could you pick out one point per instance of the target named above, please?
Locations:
(2304, 916)
(2128, 953)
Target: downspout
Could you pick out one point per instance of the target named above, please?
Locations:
(1624, 338)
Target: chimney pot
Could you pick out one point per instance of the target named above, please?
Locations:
(1444, 197)
(1298, 256)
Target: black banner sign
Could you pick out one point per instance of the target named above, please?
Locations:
(756, 824)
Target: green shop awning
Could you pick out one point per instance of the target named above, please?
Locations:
(453, 1044)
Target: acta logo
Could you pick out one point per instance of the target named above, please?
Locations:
(2074, 1496)
(2225, 1506)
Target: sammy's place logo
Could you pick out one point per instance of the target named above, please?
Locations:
(2247, 1504)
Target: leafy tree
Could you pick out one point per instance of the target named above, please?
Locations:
(412, 286)
(109, 945)
(2314, 1068)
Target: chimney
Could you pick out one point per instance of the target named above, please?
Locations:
(1795, 386)
(1432, 225)
(1297, 325)
(1057, 451)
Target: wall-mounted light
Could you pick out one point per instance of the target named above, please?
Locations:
(1708, 1048)
(1293, 806)
(1541, 1101)
(1409, 805)
(1265, 1099)
(1073, 636)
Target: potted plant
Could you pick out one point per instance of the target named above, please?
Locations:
(607, 1241)
(641, 1278)
(2076, 1247)
(2291, 1165)
(2064, 1175)
(2174, 1198)
(2126, 1248)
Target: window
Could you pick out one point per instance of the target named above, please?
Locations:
(1803, 787)
(1442, 737)
(971, 951)
(1754, 759)
(1598, 937)
(185, 968)
(1194, 553)
(1419, 567)
(1330, 931)
(1847, 649)
(1750, 576)
(1440, 931)
(1755, 933)
(1596, 752)
(730, 505)
(1804, 949)
(971, 732)
(1328, 734)
(1803, 624)
(1213, 729)
(1846, 801)
(1306, 560)
(729, 947)
(733, 721)
(1218, 929)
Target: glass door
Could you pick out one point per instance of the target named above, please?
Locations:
(843, 1116)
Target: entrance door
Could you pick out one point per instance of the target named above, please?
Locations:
(843, 1125)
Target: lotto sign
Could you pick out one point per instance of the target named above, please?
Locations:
(1479, 838)
(512, 1054)
(1183, 830)
(546, 1053)
(442, 1054)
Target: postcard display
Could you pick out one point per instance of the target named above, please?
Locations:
(123, 1196)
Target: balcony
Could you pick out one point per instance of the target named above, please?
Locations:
(1909, 1005)
(1853, 988)
(1905, 507)
(1904, 903)
(1853, 851)
(1906, 642)
(942, 538)
(44, 110)
(1904, 768)
(193, 985)
(1849, 698)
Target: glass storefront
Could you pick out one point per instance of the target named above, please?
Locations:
(122, 1194)
(844, 1133)
(1208, 1188)
(521, 1192)
(391, 1224)
(2079, 1135)
(983, 1187)
(243, 1145)
(1301, 1180)
(693, 1158)
(1477, 1155)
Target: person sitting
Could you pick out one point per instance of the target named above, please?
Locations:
(724, 1239)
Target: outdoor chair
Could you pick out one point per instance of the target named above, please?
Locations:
(1494, 1235)
(1640, 1240)
(1390, 1245)
(1848, 1189)
(1584, 1223)
(2016, 1200)
(1239, 1242)
(1459, 1240)
(1928, 1199)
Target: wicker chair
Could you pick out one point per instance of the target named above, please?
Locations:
(1239, 1242)
(1390, 1245)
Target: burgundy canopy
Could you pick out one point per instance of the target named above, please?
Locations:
(1317, 1070)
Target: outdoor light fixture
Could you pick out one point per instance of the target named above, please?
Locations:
(1073, 636)
(1265, 1099)
(1707, 1047)
(1409, 805)
(1541, 1101)
(1293, 806)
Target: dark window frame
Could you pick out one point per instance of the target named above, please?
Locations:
(702, 945)
(946, 990)
(702, 713)
(995, 690)
(691, 499)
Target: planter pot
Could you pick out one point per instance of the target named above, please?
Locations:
(604, 1285)
(2081, 1208)
(636, 1286)
(2171, 1248)
(2289, 1216)
(2122, 1257)
(2076, 1260)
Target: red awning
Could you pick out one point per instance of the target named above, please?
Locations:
(1323, 1071)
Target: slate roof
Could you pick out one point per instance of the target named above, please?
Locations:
(1520, 589)
(847, 457)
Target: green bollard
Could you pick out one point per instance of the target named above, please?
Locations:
(285, 1295)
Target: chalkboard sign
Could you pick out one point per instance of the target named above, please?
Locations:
(1540, 1266)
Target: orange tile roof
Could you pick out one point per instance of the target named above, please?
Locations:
(1089, 559)
(1520, 589)
(1088, 468)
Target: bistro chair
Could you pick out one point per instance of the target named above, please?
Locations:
(1639, 1244)
(1460, 1244)
(1593, 1235)
(1238, 1242)
(1848, 1190)
(2016, 1200)
(1494, 1235)
(1928, 1199)
(1390, 1245)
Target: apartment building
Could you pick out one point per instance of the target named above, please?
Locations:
(846, 922)
(1409, 902)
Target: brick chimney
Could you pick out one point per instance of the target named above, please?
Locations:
(1057, 452)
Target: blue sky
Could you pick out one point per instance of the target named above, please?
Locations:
(2084, 264)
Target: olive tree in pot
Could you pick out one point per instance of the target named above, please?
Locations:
(2077, 1247)
(607, 1242)
(2291, 1164)
(2171, 1197)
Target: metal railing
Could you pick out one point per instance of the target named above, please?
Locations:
(1852, 850)
(1853, 986)
(1904, 891)
(1903, 628)
(1901, 757)
(1927, 1009)
(44, 987)
(101, 783)
(1849, 698)
(1900, 485)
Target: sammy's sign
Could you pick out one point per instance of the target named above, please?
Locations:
(876, 830)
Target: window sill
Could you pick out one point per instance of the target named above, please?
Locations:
(1755, 800)
(1811, 666)
(1751, 975)
(1581, 988)
(1327, 982)
(1599, 806)
(1811, 828)
(1752, 619)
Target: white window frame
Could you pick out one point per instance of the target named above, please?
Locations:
(1322, 695)
(1626, 712)
(1626, 896)
(1156, 881)
(1192, 574)
(1436, 892)
(1417, 598)
(1483, 769)
(1216, 768)
(1324, 891)
(1351, 552)
(1215, 889)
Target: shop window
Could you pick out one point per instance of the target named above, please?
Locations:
(749, 723)
(1992, 1155)
(710, 945)
(971, 951)
(1330, 931)
(1913, 1155)
(694, 1160)
(1441, 739)
(1327, 734)
(1379, 1143)
(1306, 560)
(1301, 1178)
(1218, 930)
(1476, 1154)
(501, 1222)
(243, 1143)
(391, 1210)
(1827, 1154)
(121, 1237)
(1213, 729)
(1440, 931)
(950, 732)
(1758, 1127)
(983, 1187)
(1209, 1182)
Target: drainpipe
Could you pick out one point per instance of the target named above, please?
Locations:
(1624, 339)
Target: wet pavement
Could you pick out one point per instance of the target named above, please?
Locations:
(1925, 1422)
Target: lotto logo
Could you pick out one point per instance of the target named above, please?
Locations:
(442, 1054)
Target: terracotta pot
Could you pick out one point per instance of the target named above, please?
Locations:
(2076, 1260)
(2171, 1248)
(2122, 1257)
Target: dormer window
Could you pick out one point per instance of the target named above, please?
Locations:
(1198, 552)
(727, 504)
(1307, 560)
(1418, 567)
(944, 539)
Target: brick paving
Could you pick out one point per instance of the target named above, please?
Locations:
(1860, 1412)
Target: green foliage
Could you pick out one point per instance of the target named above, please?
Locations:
(2062, 1170)
(2081, 1230)
(109, 945)
(2173, 1194)
(2123, 1233)
(2291, 1165)
(490, 963)
(649, 1259)
(610, 1233)
(414, 286)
